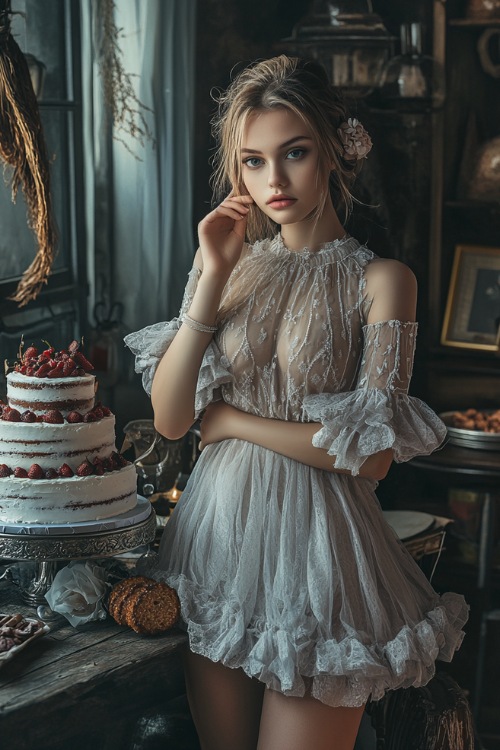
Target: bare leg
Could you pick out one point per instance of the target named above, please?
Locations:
(305, 723)
(225, 704)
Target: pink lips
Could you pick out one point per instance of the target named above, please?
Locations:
(280, 201)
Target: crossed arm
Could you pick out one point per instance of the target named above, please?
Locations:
(292, 439)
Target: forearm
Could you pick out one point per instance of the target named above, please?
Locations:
(294, 440)
(174, 385)
(221, 234)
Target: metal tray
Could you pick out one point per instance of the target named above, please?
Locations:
(485, 441)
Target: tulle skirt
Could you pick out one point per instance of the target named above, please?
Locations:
(292, 574)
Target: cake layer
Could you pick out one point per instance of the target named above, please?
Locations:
(69, 501)
(44, 394)
(51, 445)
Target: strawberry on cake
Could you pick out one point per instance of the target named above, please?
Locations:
(58, 458)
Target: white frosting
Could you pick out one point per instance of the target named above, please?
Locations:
(42, 394)
(72, 500)
(51, 445)
(62, 500)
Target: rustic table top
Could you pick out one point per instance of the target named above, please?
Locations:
(76, 679)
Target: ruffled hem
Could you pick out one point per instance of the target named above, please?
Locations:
(359, 423)
(298, 663)
(292, 574)
(150, 344)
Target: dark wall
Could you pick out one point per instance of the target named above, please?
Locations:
(230, 34)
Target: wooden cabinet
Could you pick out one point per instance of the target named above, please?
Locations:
(460, 376)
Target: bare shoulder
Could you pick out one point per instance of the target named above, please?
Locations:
(393, 288)
(386, 272)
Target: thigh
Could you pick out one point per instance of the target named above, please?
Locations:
(304, 723)
(225, 704)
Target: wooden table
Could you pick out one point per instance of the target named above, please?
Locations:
(84, 688)
(479, 470)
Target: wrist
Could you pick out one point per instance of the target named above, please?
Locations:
(197, 325)
(211, 285)
(213, 282)
(206, 301)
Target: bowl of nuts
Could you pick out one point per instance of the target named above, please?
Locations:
(474, 428)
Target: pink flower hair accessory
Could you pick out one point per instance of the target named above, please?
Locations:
(355, 139)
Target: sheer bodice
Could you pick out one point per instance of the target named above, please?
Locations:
(299, 330)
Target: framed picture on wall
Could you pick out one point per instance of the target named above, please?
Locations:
(472, 317)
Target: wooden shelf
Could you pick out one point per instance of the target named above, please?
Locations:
(472, 205)
(464, 360)
(472, 23)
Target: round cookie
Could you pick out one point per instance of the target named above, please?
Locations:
(119, 595)
(129, 602)
(154, 609)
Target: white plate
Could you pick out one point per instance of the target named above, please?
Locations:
(407, 523)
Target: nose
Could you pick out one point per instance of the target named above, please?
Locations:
(277, 175)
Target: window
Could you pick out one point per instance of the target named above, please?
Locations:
(51, 32)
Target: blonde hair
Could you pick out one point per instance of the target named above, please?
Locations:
(301, 86)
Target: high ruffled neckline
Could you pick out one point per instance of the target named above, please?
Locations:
(328, 252)
(306, 250)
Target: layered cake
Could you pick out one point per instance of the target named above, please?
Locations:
(58, 458)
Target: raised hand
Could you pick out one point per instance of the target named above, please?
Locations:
(221, 235)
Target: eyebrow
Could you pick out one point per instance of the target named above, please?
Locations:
(283, 145)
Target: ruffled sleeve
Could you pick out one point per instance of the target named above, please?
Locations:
(378, 414)
(150, 344)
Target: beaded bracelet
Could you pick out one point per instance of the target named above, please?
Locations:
(196, 326)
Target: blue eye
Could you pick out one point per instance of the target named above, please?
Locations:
(253, 162)
(296, 153)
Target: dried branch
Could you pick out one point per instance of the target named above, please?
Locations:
(125, 109)
(22, 147)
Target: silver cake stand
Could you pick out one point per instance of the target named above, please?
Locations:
(47, 545)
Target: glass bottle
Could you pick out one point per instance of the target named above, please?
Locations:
(412, 81)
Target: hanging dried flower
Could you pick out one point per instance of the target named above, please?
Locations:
(22, 147)
(125, 109)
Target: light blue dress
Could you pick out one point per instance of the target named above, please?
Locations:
(282, 569)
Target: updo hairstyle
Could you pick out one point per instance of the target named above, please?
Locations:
(302, 86)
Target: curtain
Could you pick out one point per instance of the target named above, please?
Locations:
(139, 197)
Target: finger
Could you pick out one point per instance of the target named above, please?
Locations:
(235, 205)
(201, 445)
(226, 211)
(239, 198)
(247, 199)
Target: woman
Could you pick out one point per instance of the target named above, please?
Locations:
(297, 346)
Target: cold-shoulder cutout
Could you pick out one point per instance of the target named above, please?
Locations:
(392, 288)
(383, 270)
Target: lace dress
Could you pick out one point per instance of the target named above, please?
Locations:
(282, 569)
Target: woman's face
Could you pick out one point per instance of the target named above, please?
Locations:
(281, 166)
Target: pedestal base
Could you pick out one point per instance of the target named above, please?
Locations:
(50, 544)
